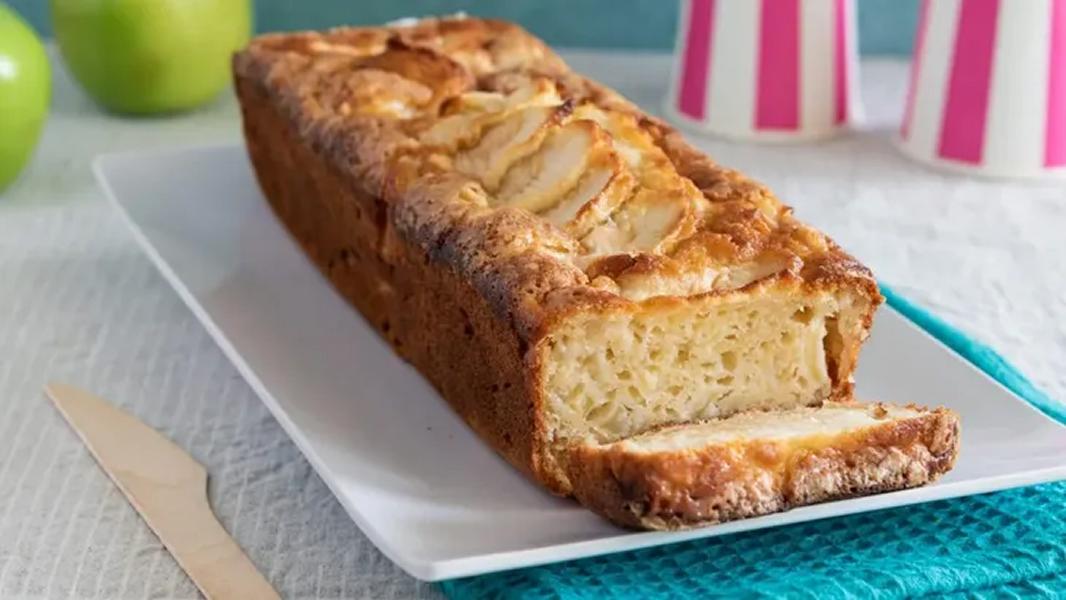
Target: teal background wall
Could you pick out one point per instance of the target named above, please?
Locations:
(885, 26)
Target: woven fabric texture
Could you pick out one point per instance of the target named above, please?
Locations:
(1005, 545)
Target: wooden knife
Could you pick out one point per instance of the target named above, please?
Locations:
(169, 490)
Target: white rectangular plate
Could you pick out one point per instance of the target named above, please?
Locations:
(425, 490)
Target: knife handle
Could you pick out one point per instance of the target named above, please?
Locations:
(168, 489)
(212, 559)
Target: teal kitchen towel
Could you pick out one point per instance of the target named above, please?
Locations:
(1008, 544)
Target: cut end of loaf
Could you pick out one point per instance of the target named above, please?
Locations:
(757, 462)
(612, 375)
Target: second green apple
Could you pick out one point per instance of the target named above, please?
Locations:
(151, 56)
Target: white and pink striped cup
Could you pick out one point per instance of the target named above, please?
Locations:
(767, 70)
(988, 87)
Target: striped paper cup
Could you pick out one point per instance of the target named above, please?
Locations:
(988, 87)
(773, 70)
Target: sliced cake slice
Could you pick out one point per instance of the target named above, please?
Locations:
(760, 462)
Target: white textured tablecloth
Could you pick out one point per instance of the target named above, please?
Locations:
(79, 303)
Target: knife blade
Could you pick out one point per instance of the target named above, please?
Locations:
(167, 488)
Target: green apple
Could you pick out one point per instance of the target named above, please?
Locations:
(151, 56)
(25, 81)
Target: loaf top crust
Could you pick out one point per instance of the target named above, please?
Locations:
(550, 193)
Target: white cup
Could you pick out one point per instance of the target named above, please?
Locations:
(988, 88)
(766, 70)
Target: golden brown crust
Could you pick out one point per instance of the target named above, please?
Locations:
(723, 482)
(314, 83)
(332, 122)
(408, 296)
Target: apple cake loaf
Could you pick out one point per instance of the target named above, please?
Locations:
(566, 270)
